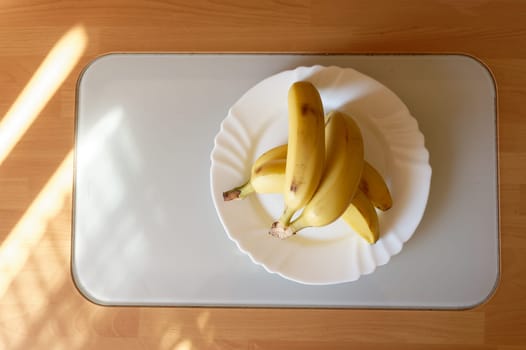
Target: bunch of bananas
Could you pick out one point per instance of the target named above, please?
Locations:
(321, 172)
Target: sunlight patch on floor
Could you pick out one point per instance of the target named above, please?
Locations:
(19, 243)
(184, 345)
(44, 83)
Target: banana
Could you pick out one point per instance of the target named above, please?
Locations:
(276, 153)
(271, 163)
(322, 172)
(306, 148)
(362, 218)
(340, 180)
(372, 184)
(360, 215)
(267, 177)
(375, 188)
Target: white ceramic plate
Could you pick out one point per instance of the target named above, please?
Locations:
(393, 144)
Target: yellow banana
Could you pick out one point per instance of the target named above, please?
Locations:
(306, 148)
(340, 180)
(362, 218)
(270, 177)
(269, 164)
(375, 188)
(276, 153)
(267, 177)
(360, 215)
(372, 184)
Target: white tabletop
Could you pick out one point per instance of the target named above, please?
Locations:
(145, 228)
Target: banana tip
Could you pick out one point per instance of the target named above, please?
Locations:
(230, 195)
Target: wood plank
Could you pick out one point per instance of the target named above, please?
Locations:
(310, 325)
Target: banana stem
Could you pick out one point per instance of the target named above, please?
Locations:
(280, 231)
(283, 228)
(239, 192)
(285, 231)
(285, 218)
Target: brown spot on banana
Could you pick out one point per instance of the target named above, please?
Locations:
(307, 109)
(364, 187)
(293, 187)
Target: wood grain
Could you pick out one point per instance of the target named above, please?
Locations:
(41, 309)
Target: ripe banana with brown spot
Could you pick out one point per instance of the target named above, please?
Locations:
(343, 170)
(270, 176)
(305, 151)
(266, 168)
(375, 188)
(362, 218)
(372, 184)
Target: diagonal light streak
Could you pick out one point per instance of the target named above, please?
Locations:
(22, 240)
(44, 83)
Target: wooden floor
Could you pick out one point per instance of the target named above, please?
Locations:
(39, 305)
